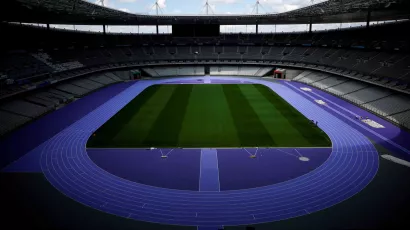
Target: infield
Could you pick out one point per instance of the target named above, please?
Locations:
(208, 115)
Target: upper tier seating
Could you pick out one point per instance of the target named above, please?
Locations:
(386, 53)
(395, 66)
(20, 64)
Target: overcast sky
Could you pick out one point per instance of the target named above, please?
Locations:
(217, 7)
(197, 6)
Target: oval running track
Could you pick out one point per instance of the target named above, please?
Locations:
(351, 166)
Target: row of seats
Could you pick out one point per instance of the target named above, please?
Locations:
(393, 65)
(214, 70)
(21, 110)
(368, 94)
(382, 68)
(402, 118)
(57, 66)
(254, 71)
(390, 105)
(10, 121)
(175, 71)
(385, 102)
(20, 64)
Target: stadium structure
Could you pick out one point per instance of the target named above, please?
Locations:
(199, 129)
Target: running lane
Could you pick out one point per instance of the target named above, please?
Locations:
(391, 137)
(19, 143)
(209, 175)
(351, 166)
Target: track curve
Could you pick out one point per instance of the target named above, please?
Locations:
(351, 166)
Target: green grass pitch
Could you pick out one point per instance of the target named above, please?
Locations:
(208, 115)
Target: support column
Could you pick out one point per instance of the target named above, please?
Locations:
(104, 29)
(48, 26)
(310, 25)
(157, 29)
(257, 28)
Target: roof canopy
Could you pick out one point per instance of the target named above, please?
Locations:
(85, 13)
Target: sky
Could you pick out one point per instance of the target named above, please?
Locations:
(198, 6)
(192, 7)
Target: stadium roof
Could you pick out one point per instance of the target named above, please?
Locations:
(86, 13)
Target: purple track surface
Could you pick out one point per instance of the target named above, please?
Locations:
(271, 166)
(180, 170)
(209, 171)
(42, 129)
(350, 167)
(391, 137)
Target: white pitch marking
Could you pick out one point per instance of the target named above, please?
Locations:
(251, 153)
(286, 152)
(247, 151)
(298, 152)
(169, 152)
(162, 153)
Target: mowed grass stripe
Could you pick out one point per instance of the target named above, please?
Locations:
(314, 135)
(251, 130)
(165, 131)
(278, 126)
(208, 122)
(104, 135)
(138, 127)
